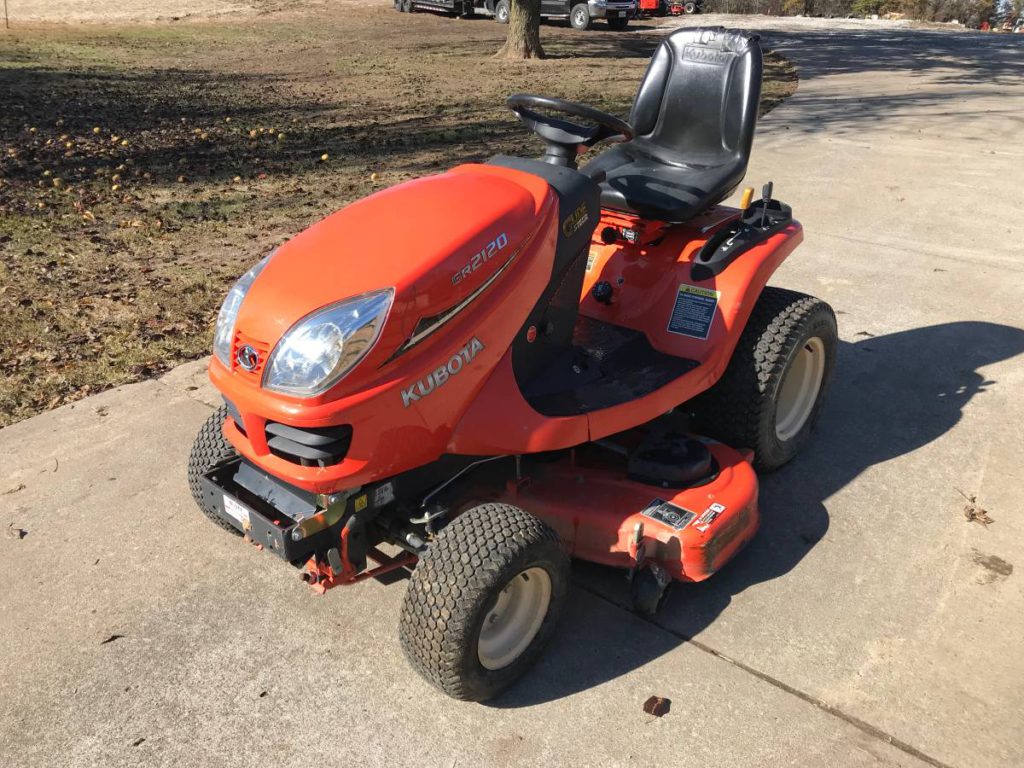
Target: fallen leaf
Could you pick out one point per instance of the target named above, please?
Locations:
(657, 706)
(974, 513)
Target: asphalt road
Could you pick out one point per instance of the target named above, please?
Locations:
(868, 624)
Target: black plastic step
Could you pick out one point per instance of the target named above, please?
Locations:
(608, 365)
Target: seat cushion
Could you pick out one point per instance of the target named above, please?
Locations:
(636, 182)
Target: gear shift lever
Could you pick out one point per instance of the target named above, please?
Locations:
(766, 196)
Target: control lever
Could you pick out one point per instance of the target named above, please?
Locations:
(752, 228)
(766, 197)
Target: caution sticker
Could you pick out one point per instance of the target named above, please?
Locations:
(668, 513)
(708, 516)
(694, 311)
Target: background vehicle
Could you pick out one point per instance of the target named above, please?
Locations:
(581, 15)
(668, 7)
(458, 7)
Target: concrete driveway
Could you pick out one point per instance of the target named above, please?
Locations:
(868, 624)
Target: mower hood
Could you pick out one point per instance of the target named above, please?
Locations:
(437, 241)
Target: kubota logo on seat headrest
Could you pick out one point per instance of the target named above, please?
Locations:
(435, 379)
(705, 55)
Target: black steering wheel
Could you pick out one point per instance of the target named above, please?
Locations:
(565, 140)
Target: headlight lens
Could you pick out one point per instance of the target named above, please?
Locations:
(225, 328)
(322, 347)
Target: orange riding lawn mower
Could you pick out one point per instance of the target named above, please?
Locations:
(470, 378)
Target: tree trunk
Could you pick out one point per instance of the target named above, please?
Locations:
(523, 41)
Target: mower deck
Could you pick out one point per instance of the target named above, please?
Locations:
(606, 517)
(590, 496)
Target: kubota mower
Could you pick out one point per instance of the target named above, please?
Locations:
(477, 375)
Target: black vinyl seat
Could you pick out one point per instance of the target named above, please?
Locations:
(694, 116)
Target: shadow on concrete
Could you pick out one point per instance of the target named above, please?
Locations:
(947, 72)
(954, 58)
(890, 396)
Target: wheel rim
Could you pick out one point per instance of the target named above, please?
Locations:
(800, 387)
(502, 14)
(510, 626)
(580, 18)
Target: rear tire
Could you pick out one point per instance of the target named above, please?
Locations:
(579, 16)
(407, 6)
(618, 24)
(210, 449)
(483, 601)
(690, 8)
(771, 395)
(501, 11)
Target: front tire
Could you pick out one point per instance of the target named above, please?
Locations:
(406, 6)
(210, 449)
(579, 16)
(483, 601)
(771, 395)
(501, 11)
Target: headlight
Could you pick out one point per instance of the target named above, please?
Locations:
(324, 346)
(225, 328)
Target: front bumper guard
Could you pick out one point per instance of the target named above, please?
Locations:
(328, 543)
(613, 10)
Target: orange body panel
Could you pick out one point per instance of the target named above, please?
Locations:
(434, 241)
(418, 256)
(647, 276)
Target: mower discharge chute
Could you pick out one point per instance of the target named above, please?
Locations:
(478, 375)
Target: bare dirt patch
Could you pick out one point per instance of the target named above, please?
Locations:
(22, 11)
(142, 169)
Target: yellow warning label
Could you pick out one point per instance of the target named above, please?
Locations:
(360, 503)
(707, 293)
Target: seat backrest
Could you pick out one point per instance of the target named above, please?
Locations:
(698, 101)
